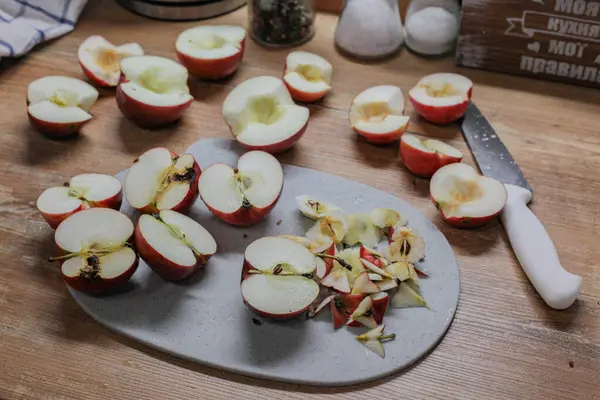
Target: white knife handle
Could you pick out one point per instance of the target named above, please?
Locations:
(536, 252)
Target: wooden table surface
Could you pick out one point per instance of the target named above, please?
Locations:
(505, 343)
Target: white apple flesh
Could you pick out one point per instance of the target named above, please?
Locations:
(80, 193)
(441, 98)
(307, 76)
(244, 195)
(424, 156)
(153, 91)
(211, 51)
(465, 198)
(58, 106)
(277, 278)
(377, 114)
(313, 208)
(172, 244)
(99, 59)
(162, 180)
(95, 254)
(262, 115)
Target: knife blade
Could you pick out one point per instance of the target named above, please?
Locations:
(530, 241)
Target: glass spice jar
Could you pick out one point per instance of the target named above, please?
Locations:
(281, 23)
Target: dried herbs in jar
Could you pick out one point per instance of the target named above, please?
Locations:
(281, 22)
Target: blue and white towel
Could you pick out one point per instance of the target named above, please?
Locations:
(23, 24)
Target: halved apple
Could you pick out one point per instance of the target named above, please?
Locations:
(277, 278)
(99, 59)
(423, 156)
(244, 195)
(441, 98)
(323, 246)
(211, 51)
(162, 180)
(172, 244)
(58, 106)
(465, 198)
(95, 254)
(262, 115)
(153, 91)
(343, 306)
(307, 76)
(313, 208)
(79, 193)
(377, 114)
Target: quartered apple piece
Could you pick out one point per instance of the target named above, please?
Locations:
(153, 91)
(342, 306)
(372, 340)
(334, 226)
(337, 279)
(407, 296)
(96, 256)
(363, 284)
(99, 59)
(387, 284)
(80, 193)
(313, 208)
(424, 156)
(172, 244)
(277, 278)
(363, 315)
(441, 98)
(377, 114)
(372, 256)
(361, 230)
(262, 115)
(465, 198)
(406, 245)
(211, 51)
(380, 304)
(162, 180)
(58, 106)
(375, 269)
(307, 76)
(244, 195)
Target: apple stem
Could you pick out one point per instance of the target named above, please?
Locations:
(338, 259)
(390, 336)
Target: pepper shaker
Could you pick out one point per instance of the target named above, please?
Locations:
(432, 26)
(281, 23)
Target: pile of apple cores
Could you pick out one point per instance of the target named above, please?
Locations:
(335, 265)
(100, 247)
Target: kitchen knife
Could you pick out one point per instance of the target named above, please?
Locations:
(530, 241)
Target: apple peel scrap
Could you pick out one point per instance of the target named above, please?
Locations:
(373, 338)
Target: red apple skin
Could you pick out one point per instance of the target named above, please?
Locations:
(379, 308)
(465, 222)
(329, 261)
(305, 97)
(163, 267)
(213, 69)
(244, 216)
(146, 116)
(422, 163)
(349, 303)
(54, 130)
(113, 202)
(94, 79)
(440, 115)
(280, 146)
(384, 138)
(187, 202)
(369, 256)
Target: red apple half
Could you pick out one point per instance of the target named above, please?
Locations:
(172, 244)
(441, 98)
(58, 106)
(162, 180)
(377, 114)
(423, 156)
(307, 76)
(277, 278)
(244, 195)
(211, 51)
(153, 91)
(80, 193)
(99, 59)
(262, 115)
(465, 198)
(95, 254)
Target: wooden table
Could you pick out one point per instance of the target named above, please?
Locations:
(504, 342)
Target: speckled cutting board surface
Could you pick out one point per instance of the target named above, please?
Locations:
(203, 319)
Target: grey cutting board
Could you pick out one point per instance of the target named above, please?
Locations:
(203, 319)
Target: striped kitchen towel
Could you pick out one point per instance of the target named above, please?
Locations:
(23, 24)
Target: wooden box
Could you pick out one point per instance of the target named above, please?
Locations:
(548, 39)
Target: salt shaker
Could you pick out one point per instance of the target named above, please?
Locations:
(432, 26)
(281, 23)
(369, 29)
